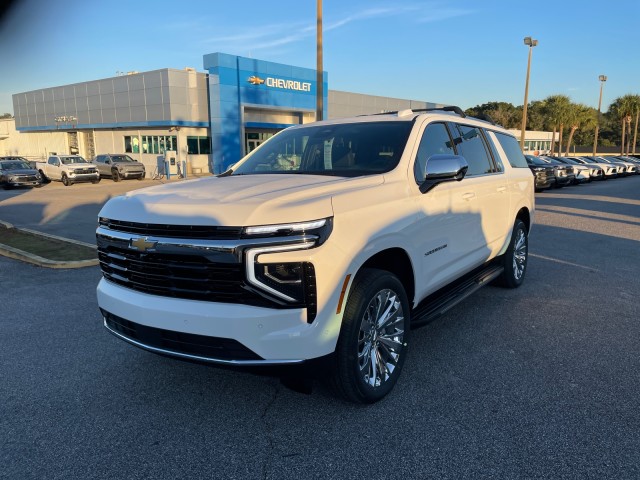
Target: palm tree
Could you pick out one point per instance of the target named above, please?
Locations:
(623, 108)
(556, 109)
(579, 116)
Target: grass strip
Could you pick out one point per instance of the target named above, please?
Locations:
(44, 247)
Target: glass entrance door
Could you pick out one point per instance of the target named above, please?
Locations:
(254, 137)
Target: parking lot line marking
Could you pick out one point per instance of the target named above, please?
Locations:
(564, 262)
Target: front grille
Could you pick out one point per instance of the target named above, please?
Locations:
(200, 232)
(190, 277)
(84, 171)
(180, 342)
(26, 178)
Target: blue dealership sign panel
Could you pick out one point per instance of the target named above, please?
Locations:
(236, 83)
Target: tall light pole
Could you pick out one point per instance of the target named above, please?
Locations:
(319, 68)
(531, 43)
(602, 78)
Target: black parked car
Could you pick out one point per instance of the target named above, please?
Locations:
(18, 173)
(542, 171)
(564, 173)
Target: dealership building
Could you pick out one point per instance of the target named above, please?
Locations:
(209, 119)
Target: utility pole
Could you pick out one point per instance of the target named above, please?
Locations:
(530, 42)
(602, 78)
(319, 68)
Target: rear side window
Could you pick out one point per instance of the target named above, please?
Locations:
(470, 144)
(511, 147)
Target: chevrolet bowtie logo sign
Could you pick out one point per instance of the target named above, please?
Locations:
(253, 80)
(142, 244)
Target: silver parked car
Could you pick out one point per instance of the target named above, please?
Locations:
(119, 166)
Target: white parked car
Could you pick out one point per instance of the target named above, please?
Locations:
(324, 246)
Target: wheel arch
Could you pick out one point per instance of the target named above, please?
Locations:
(524, 215)
(397, 261)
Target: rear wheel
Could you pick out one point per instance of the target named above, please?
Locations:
(373, 338)
(515, 258)
(65, 180)
(45, 179)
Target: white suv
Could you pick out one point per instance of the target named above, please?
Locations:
(324, 246)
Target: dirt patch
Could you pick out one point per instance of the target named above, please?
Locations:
(45, 247)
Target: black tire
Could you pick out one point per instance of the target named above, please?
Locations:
(515, 258)
(45, 179)
(96, 181)
(359, 341)
(141, 177)
(65, 180)
(115, 175)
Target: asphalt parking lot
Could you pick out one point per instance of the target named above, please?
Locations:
(538, 382)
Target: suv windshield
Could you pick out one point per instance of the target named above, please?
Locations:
(71, 160)
(14, 165)
(122, 158)
(346, 150)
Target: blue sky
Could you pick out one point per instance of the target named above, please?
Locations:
(463, 53)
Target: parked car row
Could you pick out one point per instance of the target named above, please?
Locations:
(557, 172)
(69, 169)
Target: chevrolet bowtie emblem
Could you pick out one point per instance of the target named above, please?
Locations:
(142, 244)
(253, 80)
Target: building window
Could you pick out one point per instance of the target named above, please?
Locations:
(199, 145)
(131, 144)
(158, 144)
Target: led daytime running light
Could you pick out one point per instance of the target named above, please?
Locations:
(295, 227)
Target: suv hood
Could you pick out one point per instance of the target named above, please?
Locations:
(79, 166)
(128, 164)
(236, 200)
(21, 171)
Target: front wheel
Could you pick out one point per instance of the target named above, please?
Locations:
(115, 175)
(515, 258)
(373, 340)
(45, 179)
(65, 180)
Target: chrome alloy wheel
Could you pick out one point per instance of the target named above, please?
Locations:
(519, 254)
(380, 339)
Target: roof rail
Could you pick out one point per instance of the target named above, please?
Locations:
(450, 108)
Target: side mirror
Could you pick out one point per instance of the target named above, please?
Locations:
(443, 168)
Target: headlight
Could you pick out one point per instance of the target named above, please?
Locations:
(321, 229)
(38, 176)
(72, 172)
(290, 283)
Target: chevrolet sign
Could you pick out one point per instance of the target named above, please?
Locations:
(281, 83)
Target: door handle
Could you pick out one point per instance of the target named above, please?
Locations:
(468, 195)
(502, 189)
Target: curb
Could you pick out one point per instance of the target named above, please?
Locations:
(18, 254)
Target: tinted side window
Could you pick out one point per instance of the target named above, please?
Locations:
(435, 140)
(497, 161)
(512, 149)
(470, 144)
(51, 160)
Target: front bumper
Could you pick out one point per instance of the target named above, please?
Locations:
(171, 326)
(132, 174)
(24, 183)
(84, 177)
